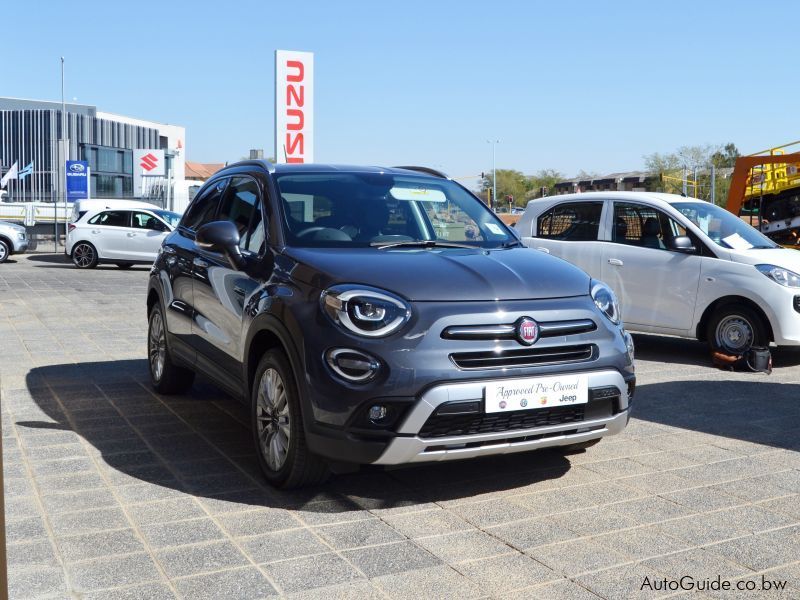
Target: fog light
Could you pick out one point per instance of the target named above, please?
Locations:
(377, 413)
(352, 365)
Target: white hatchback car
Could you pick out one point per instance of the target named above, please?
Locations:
(118, 236)
(679, 266)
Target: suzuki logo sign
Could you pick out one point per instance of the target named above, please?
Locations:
(294, 107)
(149, 162)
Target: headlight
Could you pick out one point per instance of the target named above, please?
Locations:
(606, 301)
(780, 275)
(21, 235)
(365, 311)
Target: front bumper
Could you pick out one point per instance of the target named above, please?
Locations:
(407, 445)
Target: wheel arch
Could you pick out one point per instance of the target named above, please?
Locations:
(265, 334)
(8, 243)
(700, 332)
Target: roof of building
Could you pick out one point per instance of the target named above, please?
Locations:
(196, 170)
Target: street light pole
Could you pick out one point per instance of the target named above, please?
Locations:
(494, 173)
(62, 161)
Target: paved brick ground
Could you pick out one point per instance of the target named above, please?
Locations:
(114, 492)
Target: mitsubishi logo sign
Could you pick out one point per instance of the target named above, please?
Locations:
(149, 162)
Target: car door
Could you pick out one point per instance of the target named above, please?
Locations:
(220, 291)
(180, 251)
(108, 233)
(656, 286)
(147, 233)
(572, 231)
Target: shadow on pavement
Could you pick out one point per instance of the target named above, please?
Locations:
(201, 444)
(52, 258)
(674, 350)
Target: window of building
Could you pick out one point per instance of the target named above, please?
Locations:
(574, 222)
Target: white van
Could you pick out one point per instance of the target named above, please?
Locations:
(81, 207)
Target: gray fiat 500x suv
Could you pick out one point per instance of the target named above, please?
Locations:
(382, 316)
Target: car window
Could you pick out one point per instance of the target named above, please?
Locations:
(241, 206)
(574, 222)
(111, 218)
(204, 207)
(142, 220)
(641, 225)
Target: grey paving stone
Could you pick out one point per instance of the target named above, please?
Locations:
(36, 582)
(575, 557)
(441, 582)
(66, 466)
(464, 545)
(592, 521)
(642, 542)
(727, 523)
(651, 509)
(621, 583)
(103, 543)
(787, 505)
(259, 521)
(148, 591)
(163, 511)
(21, 507)
(200, 558)
(148, 492)
(72, 501)
(179, 533)
(112, 572)
(283, 545)
(358, 533)
(311, 572)
(428, 523)
(759, 552)
(96, 519)
(558, 590)
(31, 554)
(505, 573)
(236, 584)
(25, 530)
(64, 483)
(702, 499)
(360, 589)
(240, 500)
(492, 512)
(390, 558)
(523, 535)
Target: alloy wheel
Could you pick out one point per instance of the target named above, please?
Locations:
(3, 252)
(735, 334)
(272, 419)
(157, 345)
(83, 255)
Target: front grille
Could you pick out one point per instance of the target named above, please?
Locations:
(508, 331)
(457, 425)
(525, 357)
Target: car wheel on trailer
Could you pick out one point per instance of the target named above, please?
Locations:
(735, 328)
(84, 255)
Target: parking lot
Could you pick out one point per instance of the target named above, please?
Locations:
(113, 491)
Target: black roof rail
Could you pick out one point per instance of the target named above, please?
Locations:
(427, 170)
(253, 161)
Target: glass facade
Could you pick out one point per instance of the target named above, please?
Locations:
(112, 171)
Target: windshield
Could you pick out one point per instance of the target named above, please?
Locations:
(355, 210)
(170, 217)
(724, 228)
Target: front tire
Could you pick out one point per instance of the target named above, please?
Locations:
(5, 252)
(166, 377)
(84, 256)
(277, 423)
(734, 329)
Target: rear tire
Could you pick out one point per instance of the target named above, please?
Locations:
(167, 377)
(5, 252)
(735, 328)
(84, 255)
(277, 422)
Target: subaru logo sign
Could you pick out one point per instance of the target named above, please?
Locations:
(527, 331)
(77, 168)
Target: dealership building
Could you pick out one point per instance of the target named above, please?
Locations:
(127, 157)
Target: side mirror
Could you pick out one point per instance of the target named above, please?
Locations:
(222, 236)
(683, 243)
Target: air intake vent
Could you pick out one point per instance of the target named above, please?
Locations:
(526, 357)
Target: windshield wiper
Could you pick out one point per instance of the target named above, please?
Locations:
(421, 244)
(511, 244)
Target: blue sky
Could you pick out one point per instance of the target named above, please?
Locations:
(564, 85)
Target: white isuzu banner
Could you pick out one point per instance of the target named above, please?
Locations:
(294, 106)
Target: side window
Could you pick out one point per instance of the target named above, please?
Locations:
(204, 208)
(241, 206)
(141, 220)
(111, 218)
(640, 225)
(572, 222)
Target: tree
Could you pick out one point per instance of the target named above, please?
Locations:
(544, 178)
(509, 183)
(726, 157)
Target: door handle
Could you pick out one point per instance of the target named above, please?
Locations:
(131, 234)
(199, 262)
(615, 261)
(95, 231)
(545, 250)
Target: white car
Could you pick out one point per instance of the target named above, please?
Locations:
(117, 236)
(679, 266)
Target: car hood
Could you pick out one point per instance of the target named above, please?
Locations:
(780, 257)
(443, 275)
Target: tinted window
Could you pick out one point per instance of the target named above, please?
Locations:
(575, 222)
(112, 218)
(141, 220)
(640, 225)
(204, 208)
(241, 206)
